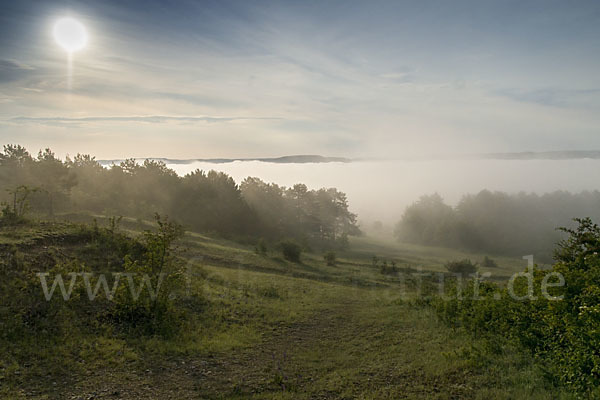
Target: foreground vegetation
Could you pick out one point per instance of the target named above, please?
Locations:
(248, 324)
(561, 327)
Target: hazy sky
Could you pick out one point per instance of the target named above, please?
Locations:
(254, 78)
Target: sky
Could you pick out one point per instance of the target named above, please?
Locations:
(201, 79)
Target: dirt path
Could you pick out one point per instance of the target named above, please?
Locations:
(336, 353)
(283, 362)
(271, 366)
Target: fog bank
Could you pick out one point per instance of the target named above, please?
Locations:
(380, 190)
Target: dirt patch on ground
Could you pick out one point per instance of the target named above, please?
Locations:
(291, 361)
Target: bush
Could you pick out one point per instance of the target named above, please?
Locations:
(291, 250)
(159, 272)
(464, 267)
(489, 263)
(261, 247)
(330, 258)
(8, 217)
(391, 269)
(14, 213)
(563, 334)
(374, 261)
(384, 267)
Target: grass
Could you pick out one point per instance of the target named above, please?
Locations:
(261, 327)
(429, 258)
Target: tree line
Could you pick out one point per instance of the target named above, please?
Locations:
(497, 222)
(205, 201)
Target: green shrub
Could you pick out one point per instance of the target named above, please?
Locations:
(390, 269)
(489, 263)
(156, 277)
(562, 334)
(330, 258)
(464, 267)
(14, 212)
(291, 250)
(261, 247)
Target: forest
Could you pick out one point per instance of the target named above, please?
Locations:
(205, 201)
(496, 222)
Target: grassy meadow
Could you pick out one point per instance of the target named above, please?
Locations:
(259, 326)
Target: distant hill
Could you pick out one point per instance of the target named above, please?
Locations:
(522, 155)
(295, 159)
(305, 159)
(545, 155)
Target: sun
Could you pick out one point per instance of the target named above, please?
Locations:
(70, 34)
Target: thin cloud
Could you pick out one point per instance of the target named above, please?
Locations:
(554, 97)
(153, 119)
(11, 70)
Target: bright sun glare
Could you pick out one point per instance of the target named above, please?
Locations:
(70, 34)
